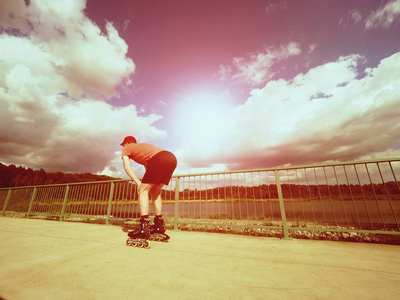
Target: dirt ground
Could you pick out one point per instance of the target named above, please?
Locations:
(61, 260)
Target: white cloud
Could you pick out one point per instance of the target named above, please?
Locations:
(256, 69)
(224, 72)
(56, 68)
(355, 16)
(162, 103)
(325, 114)
(270, 8)
(90, 133)
(312, 47)
(384, 16)
(90, 62)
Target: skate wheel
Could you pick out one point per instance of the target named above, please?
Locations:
(146, 245)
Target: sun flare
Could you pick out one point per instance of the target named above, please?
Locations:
(205, 119)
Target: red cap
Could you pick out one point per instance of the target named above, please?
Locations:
(128, 139)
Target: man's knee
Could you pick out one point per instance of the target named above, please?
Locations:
(145, 188)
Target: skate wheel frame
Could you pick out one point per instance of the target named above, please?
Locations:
(139, 243)
(159, 237)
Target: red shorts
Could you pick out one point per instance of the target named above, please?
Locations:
(160, 168)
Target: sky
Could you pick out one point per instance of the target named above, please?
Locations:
(223, 84)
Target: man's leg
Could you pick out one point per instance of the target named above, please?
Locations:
(144, 191)
(155, 195)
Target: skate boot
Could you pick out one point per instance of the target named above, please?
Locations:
(159, 225)
(144, 227)
(158, 231)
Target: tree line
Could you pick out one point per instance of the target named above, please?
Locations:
(12, 176)
(294, 191)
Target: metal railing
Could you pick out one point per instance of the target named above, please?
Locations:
(358, 196)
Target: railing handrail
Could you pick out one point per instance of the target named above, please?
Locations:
(280, 168)
(60, 184)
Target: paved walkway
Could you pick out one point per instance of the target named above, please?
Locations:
(55, 260)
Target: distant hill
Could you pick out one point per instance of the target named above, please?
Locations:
(11, 176)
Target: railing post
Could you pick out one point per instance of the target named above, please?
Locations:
(64, 203)
(31, 203)
(176, 215)
(281, 206)
(6, 203)
(110, 199)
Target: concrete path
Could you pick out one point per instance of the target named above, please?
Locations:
(54, 260)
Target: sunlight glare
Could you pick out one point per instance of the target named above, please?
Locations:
(205, 120)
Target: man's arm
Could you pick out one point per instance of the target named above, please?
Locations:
(128, 169)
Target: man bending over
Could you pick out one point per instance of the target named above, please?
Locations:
(159, 164)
